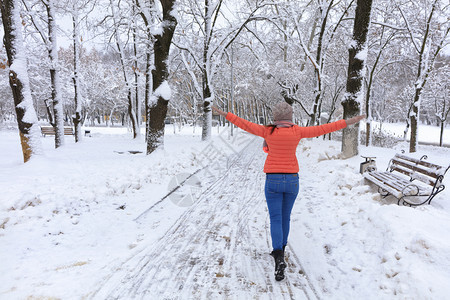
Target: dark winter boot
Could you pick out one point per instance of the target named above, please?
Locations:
(280, 265)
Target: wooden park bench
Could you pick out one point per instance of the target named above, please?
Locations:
(412, 181)
(49, 130)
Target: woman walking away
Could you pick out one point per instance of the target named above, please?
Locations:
(281, 168)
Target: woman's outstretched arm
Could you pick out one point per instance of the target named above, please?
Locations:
(248, 126)
(314, 131)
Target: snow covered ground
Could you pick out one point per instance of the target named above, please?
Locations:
(427, 134)
(92, 221)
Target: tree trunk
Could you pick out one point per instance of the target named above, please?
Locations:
(207, 113)
(76, 118)
(368, 112)
(148, 88)
(351, 102)
(158, 110)
(49, 112)
(132, 113)
(319, 68)
(137, 103)
(18, 79)
(414, 117)
(368, 98)
(54, 76)
(207, 99)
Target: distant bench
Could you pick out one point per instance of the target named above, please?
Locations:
(412, 181)
(49, 130)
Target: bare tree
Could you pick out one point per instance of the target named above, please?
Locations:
(383, 40)
(215, 38)
(443, 111)
(427, 52)
(436, 98)
(79, 11)
(327, 17)
(19, 80)
(318, 62)
(128, 83)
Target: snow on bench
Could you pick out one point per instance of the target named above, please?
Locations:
(412, 181)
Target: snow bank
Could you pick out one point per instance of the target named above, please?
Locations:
(358, 245)
(76, 206)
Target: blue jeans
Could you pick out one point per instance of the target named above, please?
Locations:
(281, 191)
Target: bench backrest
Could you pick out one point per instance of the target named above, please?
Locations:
(51, 130)
(48, 130)
(68, 130)
(417, 169)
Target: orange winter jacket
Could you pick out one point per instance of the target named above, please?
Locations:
(283, 141)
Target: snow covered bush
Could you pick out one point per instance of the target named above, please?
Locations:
(382, 139)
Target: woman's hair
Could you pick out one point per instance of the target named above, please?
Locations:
(273, 126)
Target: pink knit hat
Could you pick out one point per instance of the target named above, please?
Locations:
(282, 111)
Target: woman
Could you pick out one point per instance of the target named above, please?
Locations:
(281, 168)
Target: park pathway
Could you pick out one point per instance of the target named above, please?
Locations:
(217, 249)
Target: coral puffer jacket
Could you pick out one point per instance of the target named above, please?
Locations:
(283, 142)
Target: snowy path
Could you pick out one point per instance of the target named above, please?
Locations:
(218, 248)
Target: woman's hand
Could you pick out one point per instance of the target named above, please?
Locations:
(222, 113)
(354, 120)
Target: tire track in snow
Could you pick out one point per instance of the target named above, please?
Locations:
(215, 249)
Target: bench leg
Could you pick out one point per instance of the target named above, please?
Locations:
(383, 192)
(405, 203)
(438, 190)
